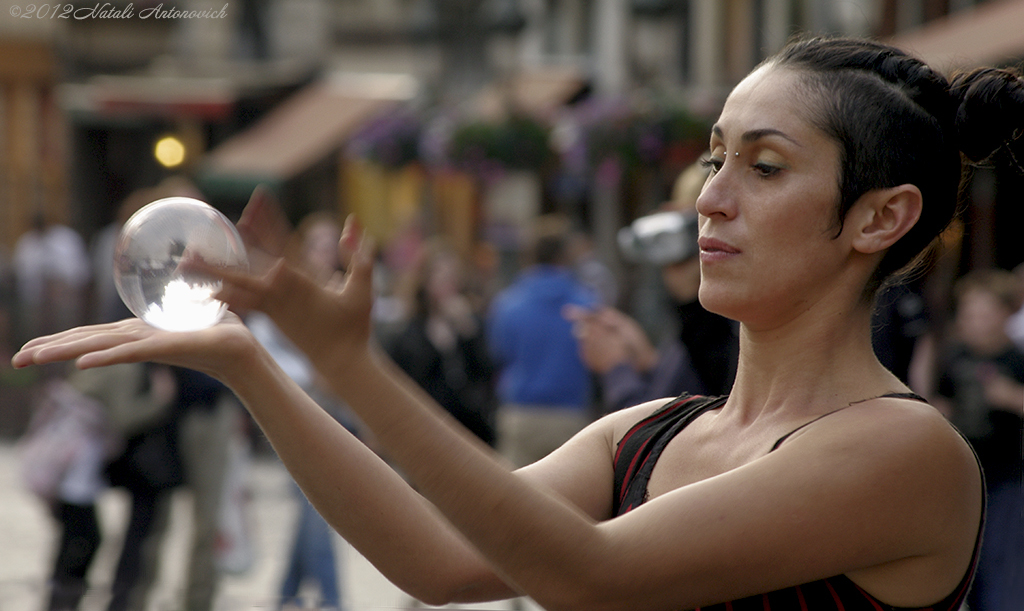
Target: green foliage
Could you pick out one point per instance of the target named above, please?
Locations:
(519, 143)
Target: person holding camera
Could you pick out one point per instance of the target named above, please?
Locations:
(697, 357)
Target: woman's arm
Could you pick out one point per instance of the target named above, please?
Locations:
(360, 495)
(866, 481)
(373, 508)
(865, 496)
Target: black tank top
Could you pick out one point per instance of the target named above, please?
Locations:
(637, 453)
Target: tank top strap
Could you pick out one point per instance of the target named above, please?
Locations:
(889, 395)
(638, 450)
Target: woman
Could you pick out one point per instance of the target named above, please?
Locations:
(442, 346)
(817, 483)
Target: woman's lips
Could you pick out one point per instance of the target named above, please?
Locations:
(712, 249)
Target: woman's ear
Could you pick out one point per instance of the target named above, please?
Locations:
(883, 216)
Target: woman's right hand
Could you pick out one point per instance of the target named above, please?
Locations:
(329, 323)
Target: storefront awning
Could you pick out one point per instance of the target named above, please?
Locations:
(537, 92)
(303, 130)
(989, 34)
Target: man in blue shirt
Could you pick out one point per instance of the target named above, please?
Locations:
(543, 386)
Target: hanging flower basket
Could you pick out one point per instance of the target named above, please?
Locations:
(391, 140)
(518, 143)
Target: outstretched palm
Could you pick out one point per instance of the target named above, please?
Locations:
(331, 324)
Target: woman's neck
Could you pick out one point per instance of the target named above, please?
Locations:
(809, 365)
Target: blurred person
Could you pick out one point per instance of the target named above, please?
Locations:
(590, 269)
(62, 455)
(114, 403)
(544, 389)
(51, 271)
(443, 347)
(107, 305)
(1015, 326)
(981, 388)
(210, 415)
(819, 482)
(615, 346)
(313, 246)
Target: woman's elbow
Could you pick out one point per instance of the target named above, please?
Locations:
(441, 592)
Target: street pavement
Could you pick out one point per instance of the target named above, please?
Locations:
(27, 537)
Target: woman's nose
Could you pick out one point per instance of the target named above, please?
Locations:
(717, 197)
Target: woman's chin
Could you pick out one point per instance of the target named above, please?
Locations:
(718, 301)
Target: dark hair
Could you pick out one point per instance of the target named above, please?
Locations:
(898, 121)
(550, 239)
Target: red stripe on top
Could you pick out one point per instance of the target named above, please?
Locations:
(628, 479)
(835, 597)
(636, 427)
(661, 413)
(801, 599)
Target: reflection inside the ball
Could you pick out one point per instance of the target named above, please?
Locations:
(185, 307)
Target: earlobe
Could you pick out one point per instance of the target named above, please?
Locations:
(886, 215)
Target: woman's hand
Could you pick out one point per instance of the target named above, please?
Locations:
(218, 351)
(329, 323)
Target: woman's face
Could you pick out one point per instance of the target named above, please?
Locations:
(443, 275)
(981, 321)
(767, 211)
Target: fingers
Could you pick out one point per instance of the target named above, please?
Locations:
(75, 343)
(263, 224)
(358, 282)
(71, 333)
(356, 250)
(351, 234)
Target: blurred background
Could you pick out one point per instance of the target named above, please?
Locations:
(464, 119)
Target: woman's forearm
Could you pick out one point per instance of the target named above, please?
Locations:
(373, 508)
(539, 540)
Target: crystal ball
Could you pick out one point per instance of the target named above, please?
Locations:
(151, 263)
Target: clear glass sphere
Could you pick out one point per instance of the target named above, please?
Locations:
(148, 262)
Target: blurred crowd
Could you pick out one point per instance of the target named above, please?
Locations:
(523, 363)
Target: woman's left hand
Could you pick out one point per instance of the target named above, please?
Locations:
(218, 351)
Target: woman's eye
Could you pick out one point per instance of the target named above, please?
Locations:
(711, 162)
(766, 170)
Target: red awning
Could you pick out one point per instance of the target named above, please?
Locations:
(989, 34)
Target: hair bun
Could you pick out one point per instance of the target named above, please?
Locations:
(990, 112)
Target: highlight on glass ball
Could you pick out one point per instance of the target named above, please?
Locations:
(160, 257)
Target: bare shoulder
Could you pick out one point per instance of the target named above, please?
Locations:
(904, 453)
(616, 424)
(906, 437)
(907, 427)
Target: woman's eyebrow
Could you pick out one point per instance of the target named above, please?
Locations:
(756, 134)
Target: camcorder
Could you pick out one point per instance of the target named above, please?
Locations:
(662, 238)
